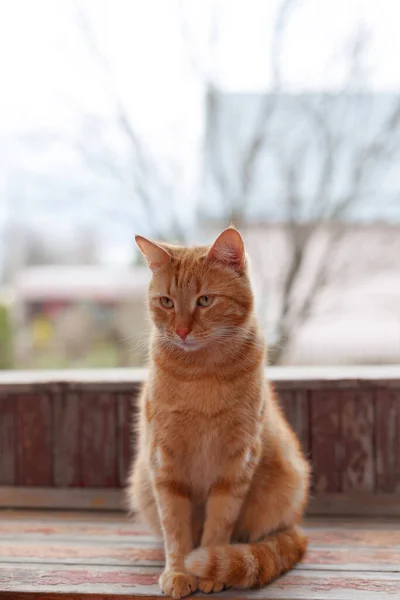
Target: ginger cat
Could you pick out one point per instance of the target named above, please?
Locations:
(218, 471)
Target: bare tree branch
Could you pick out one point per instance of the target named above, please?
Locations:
(235, 201)
(327, 208)
(143, 171)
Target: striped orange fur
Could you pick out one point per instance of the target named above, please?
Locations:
(249, 565)
(218, 471)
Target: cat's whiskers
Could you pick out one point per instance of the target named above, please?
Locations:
(142, 341)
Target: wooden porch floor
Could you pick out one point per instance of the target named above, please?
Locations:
(54, 555)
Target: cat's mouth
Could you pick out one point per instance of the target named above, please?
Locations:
(189, 345)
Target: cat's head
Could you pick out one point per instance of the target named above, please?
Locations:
(199, 296)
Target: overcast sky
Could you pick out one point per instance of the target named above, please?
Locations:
(43, 58)
(48, 76)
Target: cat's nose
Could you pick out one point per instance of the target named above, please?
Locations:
(183, 333)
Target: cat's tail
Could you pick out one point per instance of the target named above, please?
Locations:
(249, 565)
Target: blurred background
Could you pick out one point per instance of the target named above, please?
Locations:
(170, 119)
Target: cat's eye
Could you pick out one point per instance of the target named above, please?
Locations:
(166, 302)
(204, 300)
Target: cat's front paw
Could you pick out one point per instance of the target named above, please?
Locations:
(176, 584)
(209, 586)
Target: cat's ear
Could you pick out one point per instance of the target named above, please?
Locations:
(155, 255)
(228, 249)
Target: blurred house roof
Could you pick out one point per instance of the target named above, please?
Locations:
(318, 139)
(80, 283)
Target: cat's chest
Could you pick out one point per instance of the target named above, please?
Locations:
(192, 436)
(201, 427)
(200, 447)
(204, 451)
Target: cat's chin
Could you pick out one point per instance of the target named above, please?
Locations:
(189, 345)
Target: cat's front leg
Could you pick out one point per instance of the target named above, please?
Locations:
(174, 505)
(226, 498)
(223, 506)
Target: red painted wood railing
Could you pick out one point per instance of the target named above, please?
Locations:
(65, 437)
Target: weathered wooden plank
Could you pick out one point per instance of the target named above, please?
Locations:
(352, 559)
(347, 560)
(64, 516)
(353, 452)
(124, 436)
(355, 504)
(126, 380)
(286, 401)
(98, 452)
(111, 553)
(87, 554)
(8, 442)
(142, 581)
(345, 537)
(34, 432)
(66, 439)
(326, 441)
(122, 521)
(358, 466)
(387, 435)
(80, 578)
(296, 409)
(67, 552)
(339, 504)
(117, 528)
(81, 380)
(65, 498)
(381, 522)
(76, 532)
(65, 596)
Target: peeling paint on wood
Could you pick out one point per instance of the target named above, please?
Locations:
(295, 407)
(66, 440)
(358, 468)
(34, 440)
(83, 498)
(98, 440)
(124, 436)
(142, 581)
(56, 553)
(74, 432)
(388, 440)
(326, 442)
(110, 553)
(8, 442)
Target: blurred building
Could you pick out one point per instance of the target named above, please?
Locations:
(80, 316)
(294, 172)
(356, 315)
